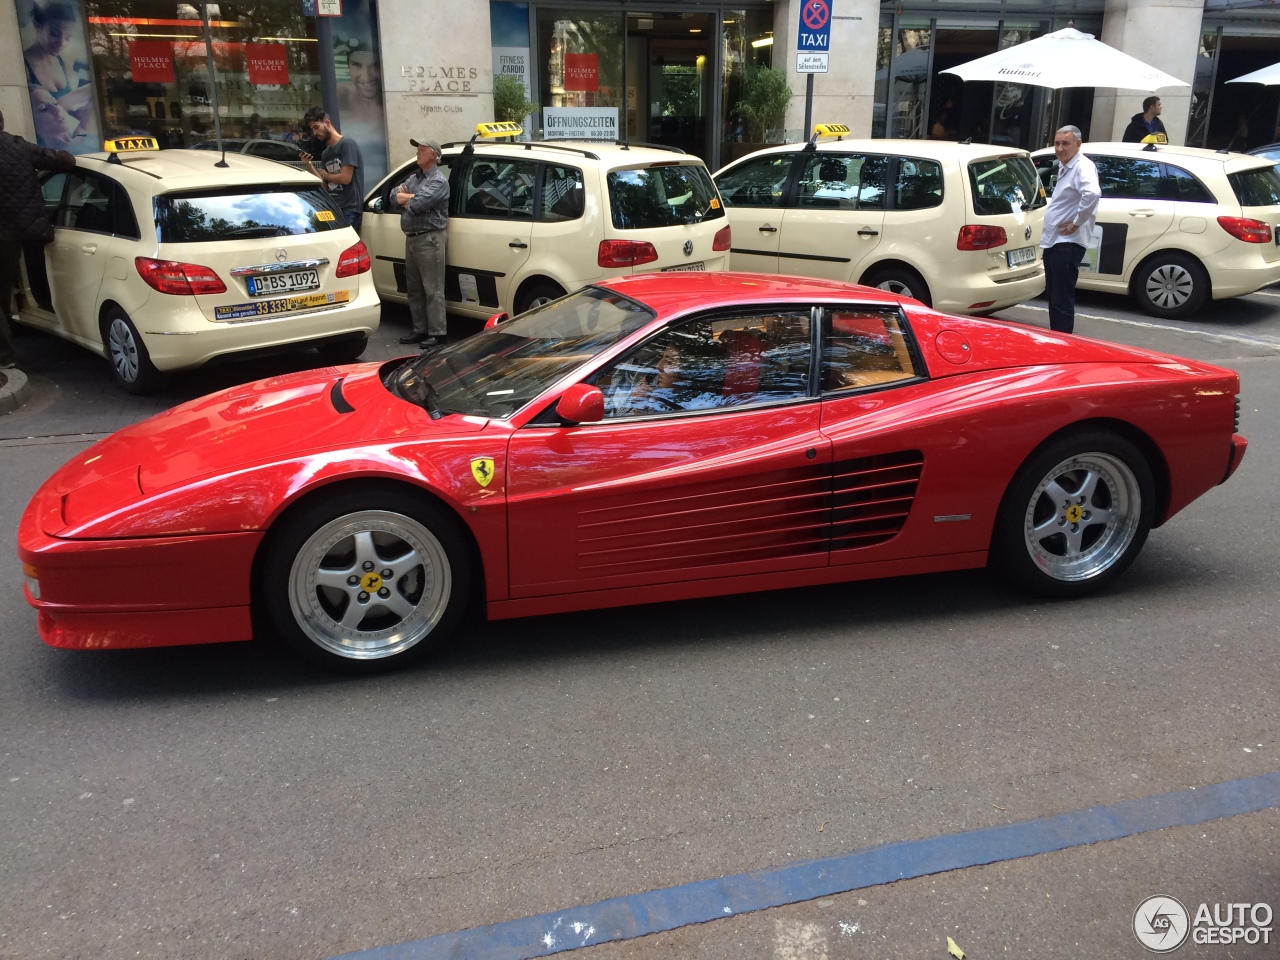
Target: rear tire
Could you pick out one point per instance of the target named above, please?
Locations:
(1170, 285)
(901, 281)
(1075, 515)
(536, 294)
(342, 351)
(130, 361)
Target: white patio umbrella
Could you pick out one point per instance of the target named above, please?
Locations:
(1066, 58)
(1267, 75)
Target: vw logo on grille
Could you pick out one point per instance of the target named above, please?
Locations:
(688, 248)
(281, 255)
(1026, 232)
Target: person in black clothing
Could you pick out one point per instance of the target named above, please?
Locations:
(1146, 123)
(22, 217)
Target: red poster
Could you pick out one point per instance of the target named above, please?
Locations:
(151, 61)
(266, 63)
(581, 71)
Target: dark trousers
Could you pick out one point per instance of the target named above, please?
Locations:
(1061, 269)
(10, 253)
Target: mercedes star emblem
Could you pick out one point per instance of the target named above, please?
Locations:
(688, 248)
(281, 254)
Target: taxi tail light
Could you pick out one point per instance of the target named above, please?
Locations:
(1242, 228)
(626, 253)
(180, 279)
(354, 261)
(980, 237)
(723, 239)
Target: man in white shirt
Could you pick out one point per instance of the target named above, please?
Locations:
(1068, 226)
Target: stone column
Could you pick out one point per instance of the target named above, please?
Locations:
(437, 72)
(846, 94)
(14, 99)
(1163, 33)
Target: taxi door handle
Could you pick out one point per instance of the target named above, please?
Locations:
(768, 229)
(1145, 212)
(868, 232)
(518, 245)
(89, 248)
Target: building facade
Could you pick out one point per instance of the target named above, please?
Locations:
(702, 75)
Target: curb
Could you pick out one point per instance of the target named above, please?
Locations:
(15, 389)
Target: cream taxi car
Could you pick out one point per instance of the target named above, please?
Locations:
(954, 225)
(164, 260)
(530, 222)
(1178, 226)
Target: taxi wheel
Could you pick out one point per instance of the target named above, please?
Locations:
(130, 361)
(1075, 515)
(342, 351)
(368, 579)
(544, 291)
(901, 281)
(1171, 285)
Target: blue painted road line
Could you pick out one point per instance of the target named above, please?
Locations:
(624, 918)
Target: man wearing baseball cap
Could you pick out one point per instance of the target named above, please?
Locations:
(423, 200)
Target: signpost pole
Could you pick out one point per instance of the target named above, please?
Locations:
(808, 107)
(328, 73)
(213, 81)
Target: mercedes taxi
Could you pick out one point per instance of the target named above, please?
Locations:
(166, 260)
(530, 222)
(1178, 226)
(953, 225)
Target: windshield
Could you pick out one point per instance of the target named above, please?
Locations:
(498, 371)
(662, 196)
(1004, 185)
(243, 213)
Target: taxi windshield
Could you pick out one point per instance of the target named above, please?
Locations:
(498, 371)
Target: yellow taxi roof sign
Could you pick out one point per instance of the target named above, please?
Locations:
(1155, 138)
(502, 129)
(130, 144)
(831, 130)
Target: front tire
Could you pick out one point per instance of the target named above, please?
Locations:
(901, 281)
(1171, 285)
(1075, 516)
(368, 579)
(130, 361)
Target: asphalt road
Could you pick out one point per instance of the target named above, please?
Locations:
(229, 802)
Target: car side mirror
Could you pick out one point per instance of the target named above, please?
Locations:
(496, 319)
(375, 205)
(581, 403)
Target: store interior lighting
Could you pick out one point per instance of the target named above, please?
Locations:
(762, 42)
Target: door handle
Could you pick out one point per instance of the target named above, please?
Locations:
(518, 244)
(89, 247)
(1142, 213)
(868, 232)
(768, 229)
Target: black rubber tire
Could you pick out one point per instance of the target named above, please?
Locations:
(1029, 560)
(538, 292)
(900, 280)
(1170, 285)
(127, 353)
(326, 642)
(340, 352)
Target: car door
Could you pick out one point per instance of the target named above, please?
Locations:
(708, 463)
(490, 231)
(380, 230)
(755, 192)
(834, 224)
(79, 254)
(1133, 214)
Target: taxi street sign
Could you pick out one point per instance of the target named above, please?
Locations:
(813, 37)
(812, 62)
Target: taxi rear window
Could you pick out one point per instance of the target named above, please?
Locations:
(244, 213)
(662, 196)
(1004, 185)
(1256, 188)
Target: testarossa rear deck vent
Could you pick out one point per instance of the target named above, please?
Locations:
(337, 399)
(953, 346)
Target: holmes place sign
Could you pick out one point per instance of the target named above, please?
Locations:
(441, 81)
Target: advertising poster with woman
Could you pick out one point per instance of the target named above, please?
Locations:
(57, 67)
(360, 85)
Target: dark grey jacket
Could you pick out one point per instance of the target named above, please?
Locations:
(22, 213)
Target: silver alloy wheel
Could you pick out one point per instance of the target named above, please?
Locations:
(896, 287)
(1170, 285)
(123, 349)
(369, 585)
(538, 301)
(1082, 516)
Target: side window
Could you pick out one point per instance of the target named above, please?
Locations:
(918, 184)
(1181, 185)
(712, 363)
(864, 347)
(87, 204)
(498, 188)
(1123, 178)
(124, 223)
(562, 195)
(756, 183)
(842, 182)
(51, 187)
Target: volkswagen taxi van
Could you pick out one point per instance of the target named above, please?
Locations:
(1178, 226)
(165, 260)
(529, 222)
(954, 225)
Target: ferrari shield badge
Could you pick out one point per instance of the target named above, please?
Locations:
(482, 470)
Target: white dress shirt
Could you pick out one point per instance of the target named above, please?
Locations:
(1075, 200)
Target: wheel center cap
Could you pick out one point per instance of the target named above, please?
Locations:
(1074, 513)
(371, 583)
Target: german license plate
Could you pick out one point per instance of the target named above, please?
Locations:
(269, 308)
(685, 266)
(270, 283)
(1022, 255)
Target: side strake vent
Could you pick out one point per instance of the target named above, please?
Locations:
(872, 497)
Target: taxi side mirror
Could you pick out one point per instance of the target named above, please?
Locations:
(496, 319)
(375, 205)
(581, 403)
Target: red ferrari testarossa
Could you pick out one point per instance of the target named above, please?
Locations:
(649, 438)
